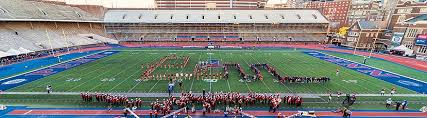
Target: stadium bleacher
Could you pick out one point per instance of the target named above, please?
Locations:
(215, 25)
(38, 27)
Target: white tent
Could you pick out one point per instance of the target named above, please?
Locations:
(4, 54)
(21, 49)
(408, 52)
(14, 52)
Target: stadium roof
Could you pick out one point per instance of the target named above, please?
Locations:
(23, 10)
(420, 19)
(215, 16)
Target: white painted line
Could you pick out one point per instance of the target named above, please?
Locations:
(49, 66)
(28, 112)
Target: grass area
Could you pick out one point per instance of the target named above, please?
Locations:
(121, 73)
(385, 65)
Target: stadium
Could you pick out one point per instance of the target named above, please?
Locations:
(59, 60)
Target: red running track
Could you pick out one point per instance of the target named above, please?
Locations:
(198, 113)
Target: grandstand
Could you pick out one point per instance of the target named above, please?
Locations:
(198, 26)
(37, 26)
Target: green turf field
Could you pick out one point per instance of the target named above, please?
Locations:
(384, 65)
(121, 73)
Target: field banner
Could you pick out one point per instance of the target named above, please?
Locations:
(403, 81)
(397, 38)
(214, 63)
(9, 83)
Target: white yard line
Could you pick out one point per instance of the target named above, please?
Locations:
(124, 70)
(63, 77)
(245, 81)
(49, 66)
(160, 80)
(304, 86)
(228, 83)
(367, 81)
(192, 82)
(153, 59)
(28, 112)
(261, 74)
(94, 78)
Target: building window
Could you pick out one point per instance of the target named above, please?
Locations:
(401, 18)
(408, 45)
(422, 49)
(405, 10)
(411, 33)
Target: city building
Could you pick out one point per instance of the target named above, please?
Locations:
(335, 11)
(362, 10)
(251, 4)
(367, 35)
(409, 24)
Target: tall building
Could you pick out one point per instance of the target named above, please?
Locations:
(197, 4)
(365, 10)
(335, 11)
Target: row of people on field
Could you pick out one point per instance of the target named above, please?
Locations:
(297, 79)
(210, 101)
(118, 100)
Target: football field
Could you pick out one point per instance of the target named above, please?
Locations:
(121, 73)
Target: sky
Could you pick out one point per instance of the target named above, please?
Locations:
(129, 3)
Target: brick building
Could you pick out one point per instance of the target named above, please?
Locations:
(366, 11)
(408, 21)
(335, 11)
(367, 35)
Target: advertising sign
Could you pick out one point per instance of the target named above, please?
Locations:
(421, 40)
(397, 38)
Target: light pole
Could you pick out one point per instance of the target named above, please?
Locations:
(375, 39)
(210, 70)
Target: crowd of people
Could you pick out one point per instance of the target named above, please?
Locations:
(254, 68)
(116, 100)
(239, 68)
(151, 67)
(287, 79)
(210, 102)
